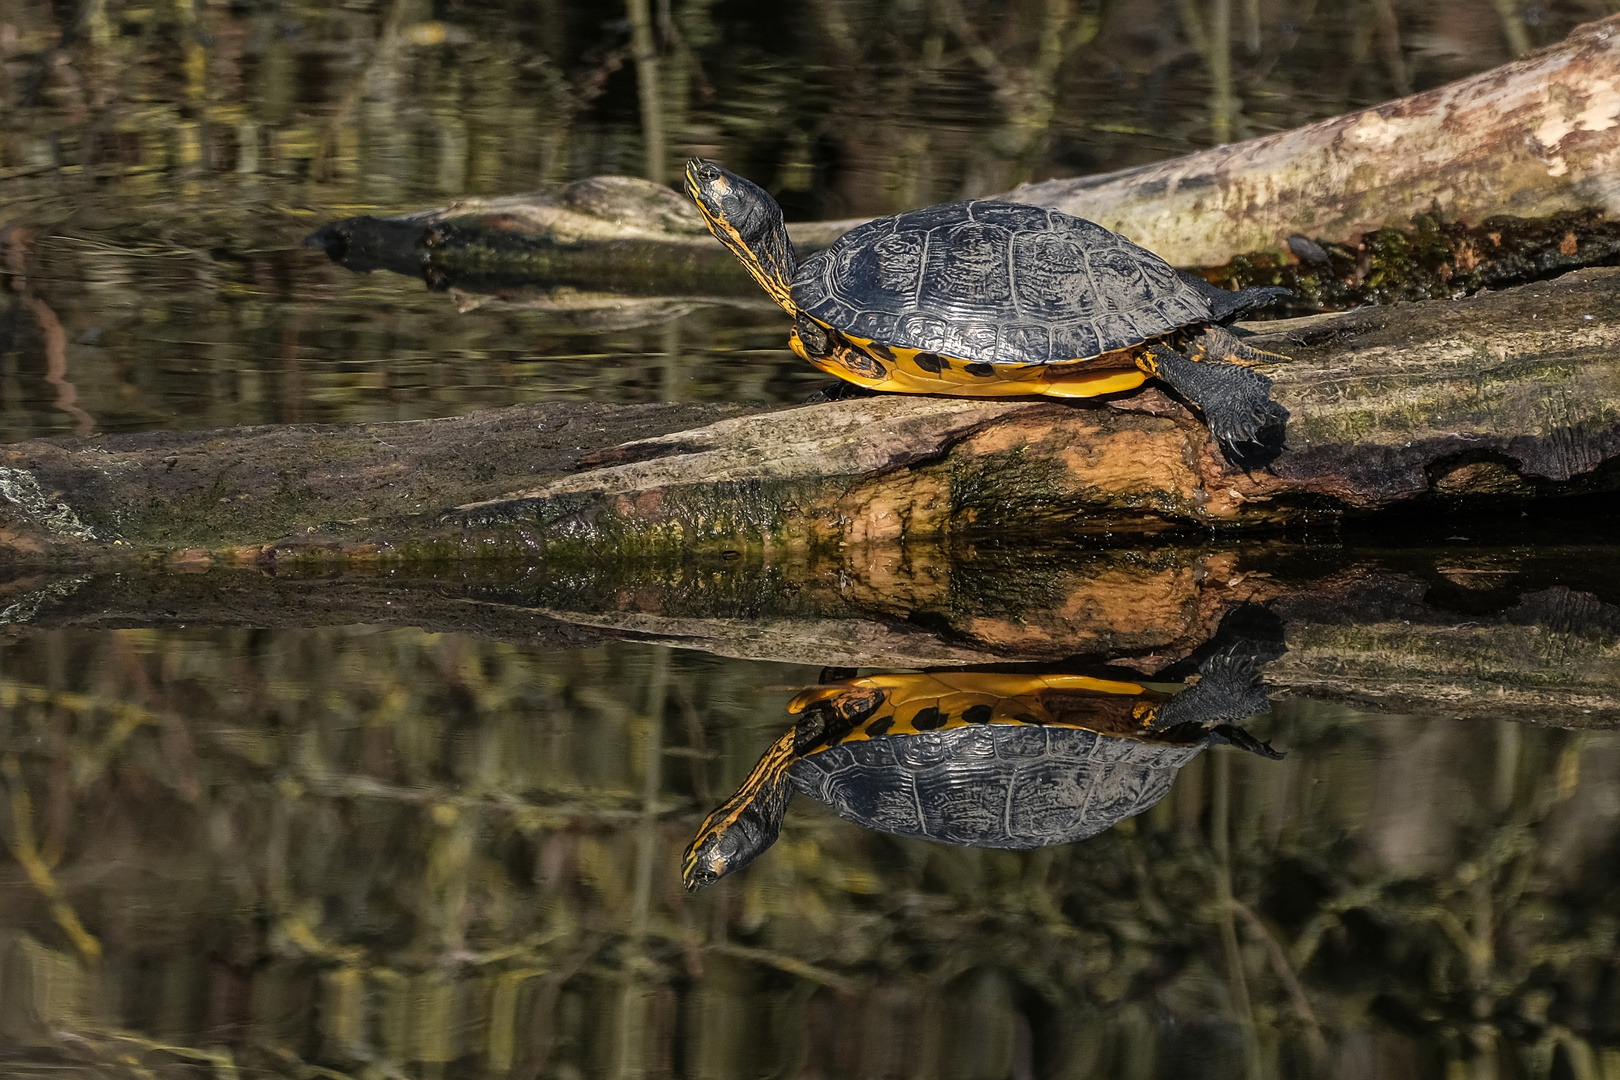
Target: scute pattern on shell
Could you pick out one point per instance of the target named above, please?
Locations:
(1001, 785)
(1002, 283)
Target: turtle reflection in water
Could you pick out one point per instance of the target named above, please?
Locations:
(980, 759)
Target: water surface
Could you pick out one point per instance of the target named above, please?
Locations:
(289, 844)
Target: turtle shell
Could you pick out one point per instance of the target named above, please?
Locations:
(993, 785)
(998, 283)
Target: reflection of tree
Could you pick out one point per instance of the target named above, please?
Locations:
(1023, 62)
(390, 853)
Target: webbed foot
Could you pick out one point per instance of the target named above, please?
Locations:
(1235, 399)
(1229, 689)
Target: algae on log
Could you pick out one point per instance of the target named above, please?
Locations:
(1430, 260)
(1508, 395)
(1532, 138)
(1497, 629)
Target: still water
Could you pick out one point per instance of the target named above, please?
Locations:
(283, 845)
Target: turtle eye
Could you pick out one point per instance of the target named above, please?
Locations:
(707, 171)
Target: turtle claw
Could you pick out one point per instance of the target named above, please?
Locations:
(1257, 439)
(1236, 402)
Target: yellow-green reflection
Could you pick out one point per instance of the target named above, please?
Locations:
(390, 853)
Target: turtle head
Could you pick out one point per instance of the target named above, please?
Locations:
(743, 826)
(744, 217)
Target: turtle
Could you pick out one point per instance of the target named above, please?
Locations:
(992, 299)
(980, 759)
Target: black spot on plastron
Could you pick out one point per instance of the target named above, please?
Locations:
(930, 362)
(981, 370)
(879, 727)
(881, 351)
(929, 719)
(978, 714)
(859, 363)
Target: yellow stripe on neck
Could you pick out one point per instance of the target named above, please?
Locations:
(723, 231)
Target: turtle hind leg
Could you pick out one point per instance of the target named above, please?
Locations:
(1219, 345)
(1235, 399)
(840, 390)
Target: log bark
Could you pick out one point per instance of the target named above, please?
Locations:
(1513, 395)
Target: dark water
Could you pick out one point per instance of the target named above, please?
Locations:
(324, 850)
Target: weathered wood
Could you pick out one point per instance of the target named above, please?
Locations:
(1531, 138)
(213, 491)
(1514, 394)
(1529, 633)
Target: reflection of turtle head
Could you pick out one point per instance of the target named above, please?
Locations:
(745, 824)
(744, 217)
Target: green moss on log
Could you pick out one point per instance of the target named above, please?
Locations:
(1431, 259)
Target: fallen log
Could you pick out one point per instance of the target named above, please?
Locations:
(1492, 629)
(1511, 395)
(1531, 138)
(1535, 138)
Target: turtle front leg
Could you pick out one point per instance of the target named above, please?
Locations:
(829, 352)
(1234, 398)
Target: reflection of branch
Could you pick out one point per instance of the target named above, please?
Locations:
(17, 245)
(388, 41)
(791, 965)
(26, 852)
(1290, 979)
(1389, 43)
(1028, 93)
(1220, 829)
(1223, 103)
(648, 88)
(1513, 26)
(1214, 44)
(56, 364)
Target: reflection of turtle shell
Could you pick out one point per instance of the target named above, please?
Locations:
(997, 283)
(995, 785)
(986, 759)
